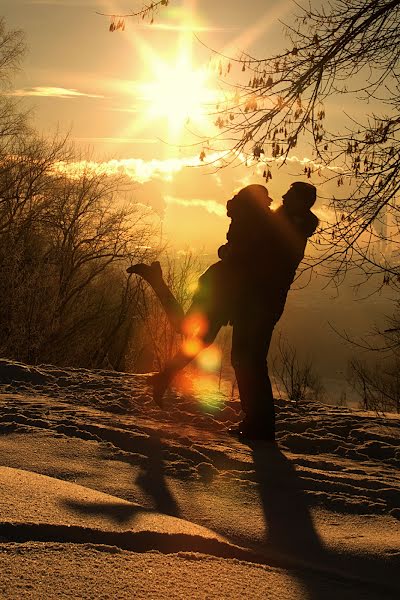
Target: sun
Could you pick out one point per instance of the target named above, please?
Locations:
(177, 93)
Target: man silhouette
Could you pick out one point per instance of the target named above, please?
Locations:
(261, 302)
(248, 288)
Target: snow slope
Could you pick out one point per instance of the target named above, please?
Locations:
(165, 504)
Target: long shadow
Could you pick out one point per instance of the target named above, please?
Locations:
(152, 478)
(289, 525)
(292, 538)
(116, 511)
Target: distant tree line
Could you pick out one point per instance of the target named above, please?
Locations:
(66, 238)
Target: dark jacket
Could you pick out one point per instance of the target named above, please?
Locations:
(263, 256)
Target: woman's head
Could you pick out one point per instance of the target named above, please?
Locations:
(251, 201)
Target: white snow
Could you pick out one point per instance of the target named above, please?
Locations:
(105, 495)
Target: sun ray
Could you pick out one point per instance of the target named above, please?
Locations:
(174, 97)
(249, 36)
(173, 93)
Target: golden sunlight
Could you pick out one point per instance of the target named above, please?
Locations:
(178, 93)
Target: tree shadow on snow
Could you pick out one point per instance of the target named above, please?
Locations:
(118, 512)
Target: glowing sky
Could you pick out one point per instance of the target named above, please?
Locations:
(135, 97)
(114, 91)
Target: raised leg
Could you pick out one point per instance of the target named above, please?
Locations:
(198, 326)
(154, 277)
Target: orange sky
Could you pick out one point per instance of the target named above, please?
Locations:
(105, 88)
(127, 96)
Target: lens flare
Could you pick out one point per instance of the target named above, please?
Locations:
(184, 383)
(210, 359)
(192, 346)
(206, 390)
(195, 325)
(202, 388)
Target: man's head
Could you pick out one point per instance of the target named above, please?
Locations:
(251, 200)
(300, 197)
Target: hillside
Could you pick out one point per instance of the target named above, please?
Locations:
(104, 493)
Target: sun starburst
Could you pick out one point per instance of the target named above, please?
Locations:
(177, 93)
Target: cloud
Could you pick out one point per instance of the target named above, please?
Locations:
(52, 92)
(282, 160)
(151, 194)
(117, 140)
(190, 196)
(137, 169)
(57, 3)
(211, 206)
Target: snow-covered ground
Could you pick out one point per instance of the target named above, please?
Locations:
(106, 496)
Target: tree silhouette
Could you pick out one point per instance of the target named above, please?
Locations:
(67, 233)
(340, 52)
(12, 117)
(146, 11)
(349, 49)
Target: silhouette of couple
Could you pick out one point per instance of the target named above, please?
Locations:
(247, 288)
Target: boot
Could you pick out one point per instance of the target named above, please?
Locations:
(151, 273)
(154, 277)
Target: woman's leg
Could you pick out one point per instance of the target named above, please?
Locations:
(154, 277)
(199, 328)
